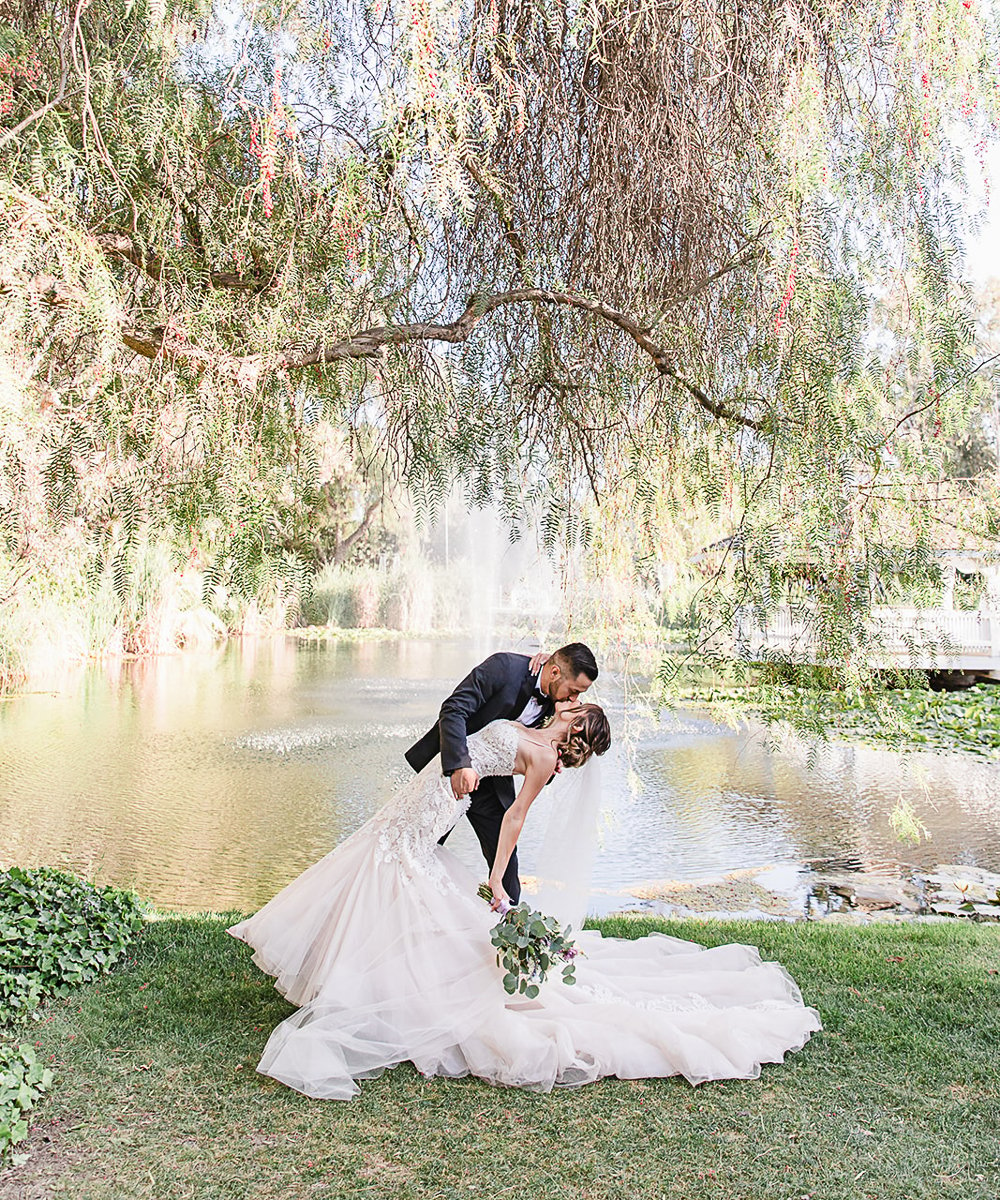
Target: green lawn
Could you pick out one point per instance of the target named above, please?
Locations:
(899, 1099)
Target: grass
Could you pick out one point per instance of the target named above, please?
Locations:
(899, 1099)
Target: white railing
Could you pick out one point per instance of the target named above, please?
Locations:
(924, 638)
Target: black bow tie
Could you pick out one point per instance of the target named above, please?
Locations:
(539, 696)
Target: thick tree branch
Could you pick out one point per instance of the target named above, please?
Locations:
(344, 547)
(117, 245)
(369, 342)
(51, 291)
(170, 344)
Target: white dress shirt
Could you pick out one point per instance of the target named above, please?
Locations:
(533, 707)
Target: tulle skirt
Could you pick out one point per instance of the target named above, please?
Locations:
(389, 960)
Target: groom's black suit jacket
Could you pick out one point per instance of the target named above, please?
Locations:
(498, 688)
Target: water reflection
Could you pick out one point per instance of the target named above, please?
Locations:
(209, 783)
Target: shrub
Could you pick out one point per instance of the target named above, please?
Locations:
(56, 931)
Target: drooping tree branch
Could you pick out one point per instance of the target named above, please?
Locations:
(169, 343)
(369, 343)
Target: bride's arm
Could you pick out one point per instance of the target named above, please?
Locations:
(537, 774)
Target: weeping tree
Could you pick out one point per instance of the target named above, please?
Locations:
(611, 262)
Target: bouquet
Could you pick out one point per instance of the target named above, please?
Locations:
(529, 945)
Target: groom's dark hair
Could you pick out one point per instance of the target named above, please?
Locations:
(579, 658)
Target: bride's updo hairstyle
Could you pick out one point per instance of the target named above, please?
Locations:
(589, 734)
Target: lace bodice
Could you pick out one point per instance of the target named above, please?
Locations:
(425, 809)
(493, 749)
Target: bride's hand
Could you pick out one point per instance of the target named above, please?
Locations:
(500, 901)
(539, 661)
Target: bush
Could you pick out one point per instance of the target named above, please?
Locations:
(56, 931)
(344, 597)
(408, 596)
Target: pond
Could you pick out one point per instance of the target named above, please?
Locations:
(210, 782)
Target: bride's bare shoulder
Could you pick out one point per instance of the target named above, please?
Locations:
(533, 753)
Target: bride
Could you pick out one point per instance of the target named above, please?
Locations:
(385, 948)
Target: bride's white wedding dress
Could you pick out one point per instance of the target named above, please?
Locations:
(385, 946)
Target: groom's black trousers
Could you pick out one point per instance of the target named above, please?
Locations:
(498, 689)
(487, 828)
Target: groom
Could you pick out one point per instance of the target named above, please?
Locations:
(502, 687)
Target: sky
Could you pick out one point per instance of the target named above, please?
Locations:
(983, 248)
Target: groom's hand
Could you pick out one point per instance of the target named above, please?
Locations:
(464, 781)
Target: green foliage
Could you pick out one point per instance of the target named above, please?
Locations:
(905, 718)
(23, 1080)
(56, 932)
(408, 596)
(529, 946)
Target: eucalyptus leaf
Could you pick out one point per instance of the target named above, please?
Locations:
(529, 944)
